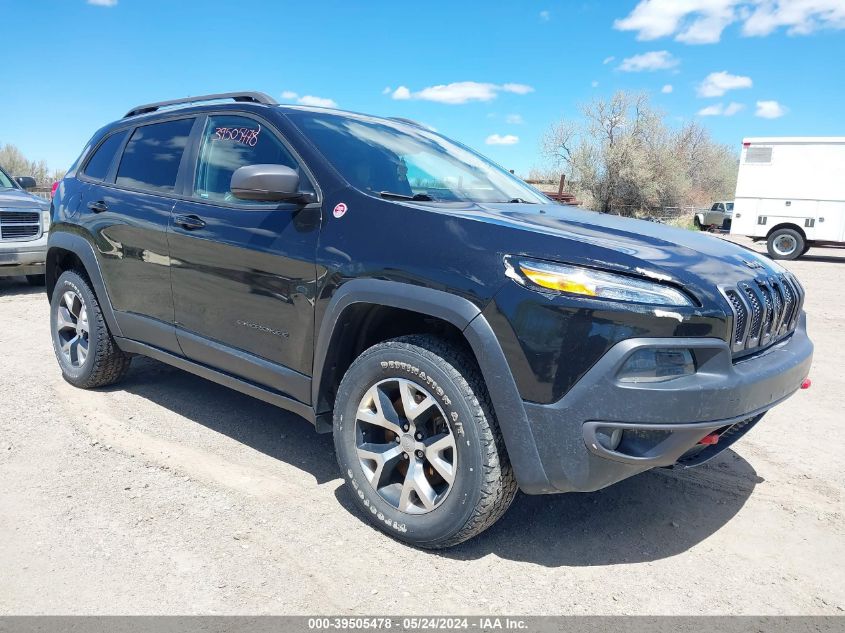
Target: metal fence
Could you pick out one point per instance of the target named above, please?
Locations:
(42, 192)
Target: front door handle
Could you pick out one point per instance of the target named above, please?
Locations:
(98, 207)
(189, 222)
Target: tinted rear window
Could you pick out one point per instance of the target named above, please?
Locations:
(152, 156)
(98, 166)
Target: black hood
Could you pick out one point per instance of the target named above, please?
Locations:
(696, 260)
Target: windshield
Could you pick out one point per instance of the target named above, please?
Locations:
(400, 160)
(6, 181)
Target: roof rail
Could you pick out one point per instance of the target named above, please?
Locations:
(249, 97)
(402, 119)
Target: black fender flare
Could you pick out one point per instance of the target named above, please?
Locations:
(467, 317)
(84, 250)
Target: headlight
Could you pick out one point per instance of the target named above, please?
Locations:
(586, 282)
(45, 220)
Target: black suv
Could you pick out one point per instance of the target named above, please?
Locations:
(460, 334)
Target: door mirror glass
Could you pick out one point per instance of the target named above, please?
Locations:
(26, 182)
(265, 183)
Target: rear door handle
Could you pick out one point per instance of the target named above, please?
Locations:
(189, 222)
(98, 207)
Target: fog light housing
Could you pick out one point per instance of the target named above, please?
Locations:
(609, 438)
(655, 364)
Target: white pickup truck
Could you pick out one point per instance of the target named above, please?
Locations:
(24, 223)
(718, 217)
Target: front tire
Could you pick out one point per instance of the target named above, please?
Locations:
(417, 442)
(87, 353)
(785, 244)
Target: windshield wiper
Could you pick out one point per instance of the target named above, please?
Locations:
(519, 201)
(422, 197)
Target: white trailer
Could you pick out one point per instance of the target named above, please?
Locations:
(790, 191)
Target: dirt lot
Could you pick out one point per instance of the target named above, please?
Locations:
(170, 494)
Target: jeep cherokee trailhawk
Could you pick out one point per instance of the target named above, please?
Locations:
(460, 335)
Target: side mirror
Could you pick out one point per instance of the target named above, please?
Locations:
(265, 183)
(26, 182)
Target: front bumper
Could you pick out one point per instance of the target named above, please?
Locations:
(23, 258)
(661, 423)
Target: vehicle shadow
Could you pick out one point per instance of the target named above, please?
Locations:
(836, 256)
(652, 516)
(822, 258)
(15, 286)
(261, 426)
(648, 517)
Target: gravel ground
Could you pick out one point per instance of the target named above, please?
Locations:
(171, 495)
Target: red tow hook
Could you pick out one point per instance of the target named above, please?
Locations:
(709, 440)
(806, 383)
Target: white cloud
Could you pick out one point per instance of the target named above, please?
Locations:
(514, 119)
(800, 17)
(712, 110)
(401, 93)
(594, 84)
(545, 16)
(520, 89)
(387, 90)
(667, 89)
(103, 3)
(653, 60)
(607, 60)
(507, 139)
(322, 102)
(289, 94)
(717, 84)
(461, 92)
(770, 110)
(703, 21)
(719, 109)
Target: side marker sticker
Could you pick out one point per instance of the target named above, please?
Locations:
(339, 210)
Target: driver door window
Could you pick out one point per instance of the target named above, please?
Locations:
(230, 142)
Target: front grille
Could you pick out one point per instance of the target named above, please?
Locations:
(765, 310)
(19, 225)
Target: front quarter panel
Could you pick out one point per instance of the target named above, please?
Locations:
(551, 341)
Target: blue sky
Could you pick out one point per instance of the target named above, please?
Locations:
(491, 74)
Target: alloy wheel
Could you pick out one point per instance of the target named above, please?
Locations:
(405, 446)
(72, 328)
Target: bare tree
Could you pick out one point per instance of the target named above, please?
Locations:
(621, 154)
(14, 162)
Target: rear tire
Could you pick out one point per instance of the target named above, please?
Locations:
(87, 353)
(36, 280)
(785, 244)
(406, 484)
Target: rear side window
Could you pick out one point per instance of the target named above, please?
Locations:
(230, 142)
(152, 155)
(98, 167)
